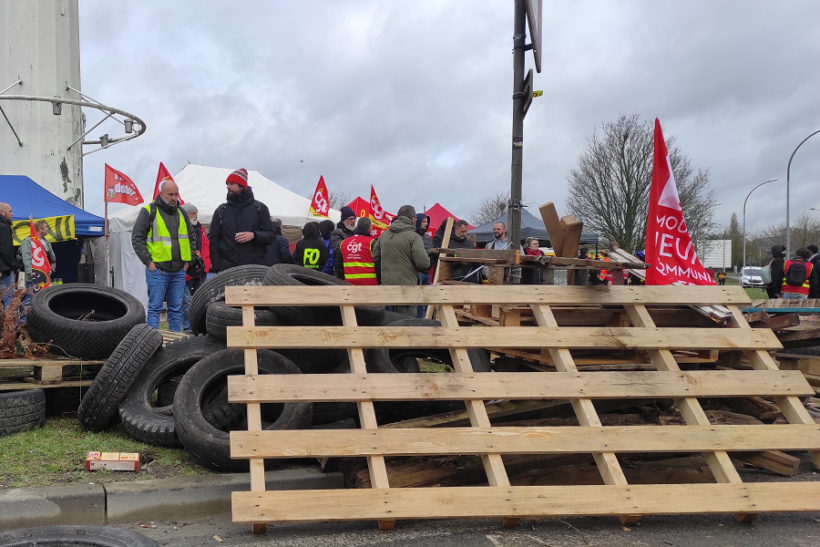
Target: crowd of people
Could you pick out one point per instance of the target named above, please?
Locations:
(795, 277)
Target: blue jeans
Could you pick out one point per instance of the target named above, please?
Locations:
(794, 296)
(168, 287)
(6, 281)
(424, 279)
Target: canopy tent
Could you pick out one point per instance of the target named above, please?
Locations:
(361, 207)
(26, 197)
(203, 187)
(438, 214)
(531, 226)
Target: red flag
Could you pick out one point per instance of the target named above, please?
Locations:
(162, 175)
(361, 207)
(381, 219)
(320, 204)
(669, 247)
(119, 188)
(40, 265)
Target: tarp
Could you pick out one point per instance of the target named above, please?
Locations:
(26, 197)
(204, 187)
(438, 214)
(531, 226)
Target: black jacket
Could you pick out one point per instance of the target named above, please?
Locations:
(776, 267)
(279, 250)
(240, 214)
(311, 242)
(459, 270)
(814, 291)
(8, 261)
(170, 215)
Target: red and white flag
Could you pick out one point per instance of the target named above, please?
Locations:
(119, 188)
(163, 174)
(669, 247)
(380, 218)
(40, 265)
(320, 204)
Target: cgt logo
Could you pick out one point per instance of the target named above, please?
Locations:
(320, 201)
(354, 247)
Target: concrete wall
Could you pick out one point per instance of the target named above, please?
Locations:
(40, 44)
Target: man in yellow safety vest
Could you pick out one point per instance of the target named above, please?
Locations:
(163, 239)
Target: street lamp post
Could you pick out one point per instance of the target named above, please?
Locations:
(744, 220)
(788, 169)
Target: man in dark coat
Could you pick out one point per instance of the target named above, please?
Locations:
(815, 260)
(7, 255)
(458, 240)
(773, 289)
(310, 252)
(279, 250)
(241, 229)
(344, 229)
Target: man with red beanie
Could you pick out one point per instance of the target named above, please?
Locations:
(241, 229)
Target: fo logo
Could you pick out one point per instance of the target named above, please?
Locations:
(354, 247)
(311, 258)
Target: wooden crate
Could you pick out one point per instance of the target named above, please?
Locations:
(616, 497)
(42, 373)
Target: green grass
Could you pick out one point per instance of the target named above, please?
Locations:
(55, 455)
(754, 294)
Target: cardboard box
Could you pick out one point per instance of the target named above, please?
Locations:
(116, 461)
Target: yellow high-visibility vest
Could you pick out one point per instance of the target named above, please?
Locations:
(159, 238)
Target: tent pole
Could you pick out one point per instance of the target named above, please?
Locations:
(107, 264)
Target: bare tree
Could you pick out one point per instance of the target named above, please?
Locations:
(338, 199)
(490, 209)
(609, 190)
(805, 230)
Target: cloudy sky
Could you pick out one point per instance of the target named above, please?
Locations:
(415, 97)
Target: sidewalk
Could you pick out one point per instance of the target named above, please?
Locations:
(162, 500)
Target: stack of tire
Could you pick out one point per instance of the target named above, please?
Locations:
(80, 320)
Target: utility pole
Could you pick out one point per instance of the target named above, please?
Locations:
(520, 48)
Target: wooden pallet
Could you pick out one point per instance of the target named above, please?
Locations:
(499, 499)
(44, 373)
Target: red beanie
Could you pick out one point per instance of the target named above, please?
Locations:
(240, 177)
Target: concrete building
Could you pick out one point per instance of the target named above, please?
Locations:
(40, 45)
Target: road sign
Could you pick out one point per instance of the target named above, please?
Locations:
(534, 14)
(527, 94)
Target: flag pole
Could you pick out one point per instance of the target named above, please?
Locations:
(107, 263)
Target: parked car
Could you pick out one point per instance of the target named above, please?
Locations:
(750, 277)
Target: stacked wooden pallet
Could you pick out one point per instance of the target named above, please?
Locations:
(46, 373)
(615, 497)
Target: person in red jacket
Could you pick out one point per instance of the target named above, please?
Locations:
(605, 277)
(799, 276)
(355, 263)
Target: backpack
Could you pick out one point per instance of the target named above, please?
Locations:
(766, 273)
(256, 204)
(796, 274)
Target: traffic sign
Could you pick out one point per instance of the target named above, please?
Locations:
(527, 96)
(534, 14)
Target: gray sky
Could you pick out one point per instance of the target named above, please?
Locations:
(415, 97)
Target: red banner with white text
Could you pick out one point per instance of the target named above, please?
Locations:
(119, 188)
(381, 219)
(320, 204)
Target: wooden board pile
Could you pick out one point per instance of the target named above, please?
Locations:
(607, 443)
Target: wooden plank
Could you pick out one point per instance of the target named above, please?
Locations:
(514, 385)
(773, 460)
(448, 230)
(522, 440)
(778, 322)
(31, 383)
(514, 337)
(507, 256)
(572, 239)
(807, 364)
(495, 411)
(549, 215)
(524, 501)
(476, 294)
(461, 260)
(14, 363)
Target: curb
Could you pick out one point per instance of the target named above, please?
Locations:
(160, 499)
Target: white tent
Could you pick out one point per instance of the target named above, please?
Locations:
(205, 188)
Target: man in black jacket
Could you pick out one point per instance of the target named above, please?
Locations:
(815, 260)
(458, 240)
(344, 229)
(773, 289)
(7, 254)
(279, 250)
(310, 252)
(241, 229)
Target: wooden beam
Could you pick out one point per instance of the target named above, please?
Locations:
(773, 460)
(524, 501)
(552, 222)
(514, 337)
(514, 385)
(476, 294)
(521, 440)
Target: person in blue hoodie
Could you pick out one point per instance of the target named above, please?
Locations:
(326, 227)
(422, 224)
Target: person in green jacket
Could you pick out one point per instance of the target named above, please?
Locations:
(400, 255)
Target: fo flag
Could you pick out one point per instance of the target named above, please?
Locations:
(119, 188)
(40, 265)
(320, 204)
(380, 218)
(163, 174)
(668, 246)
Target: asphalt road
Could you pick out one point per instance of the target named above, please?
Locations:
(790, 530)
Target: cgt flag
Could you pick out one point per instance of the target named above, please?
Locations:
(380, 218)
(163, 174)
(320, 204)
(668, 245)
(40, 265)
(119, 188)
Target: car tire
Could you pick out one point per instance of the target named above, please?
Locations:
(64, 400)
(77, 536)
(213, 290)
(21, 410)
(57, 316)
(208, 445)
(100, 403)
(294, 276)
(219, 317)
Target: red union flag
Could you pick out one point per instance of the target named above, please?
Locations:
(320, 204)
(119, 188)
(163, 174)
(40, 265)
(669, 247)
(380, 218)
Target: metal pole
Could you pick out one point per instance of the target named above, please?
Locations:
(744, 220)
(107, 260)
(519, 44)
(788, 169)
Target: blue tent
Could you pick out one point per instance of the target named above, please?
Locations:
(26, 197)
